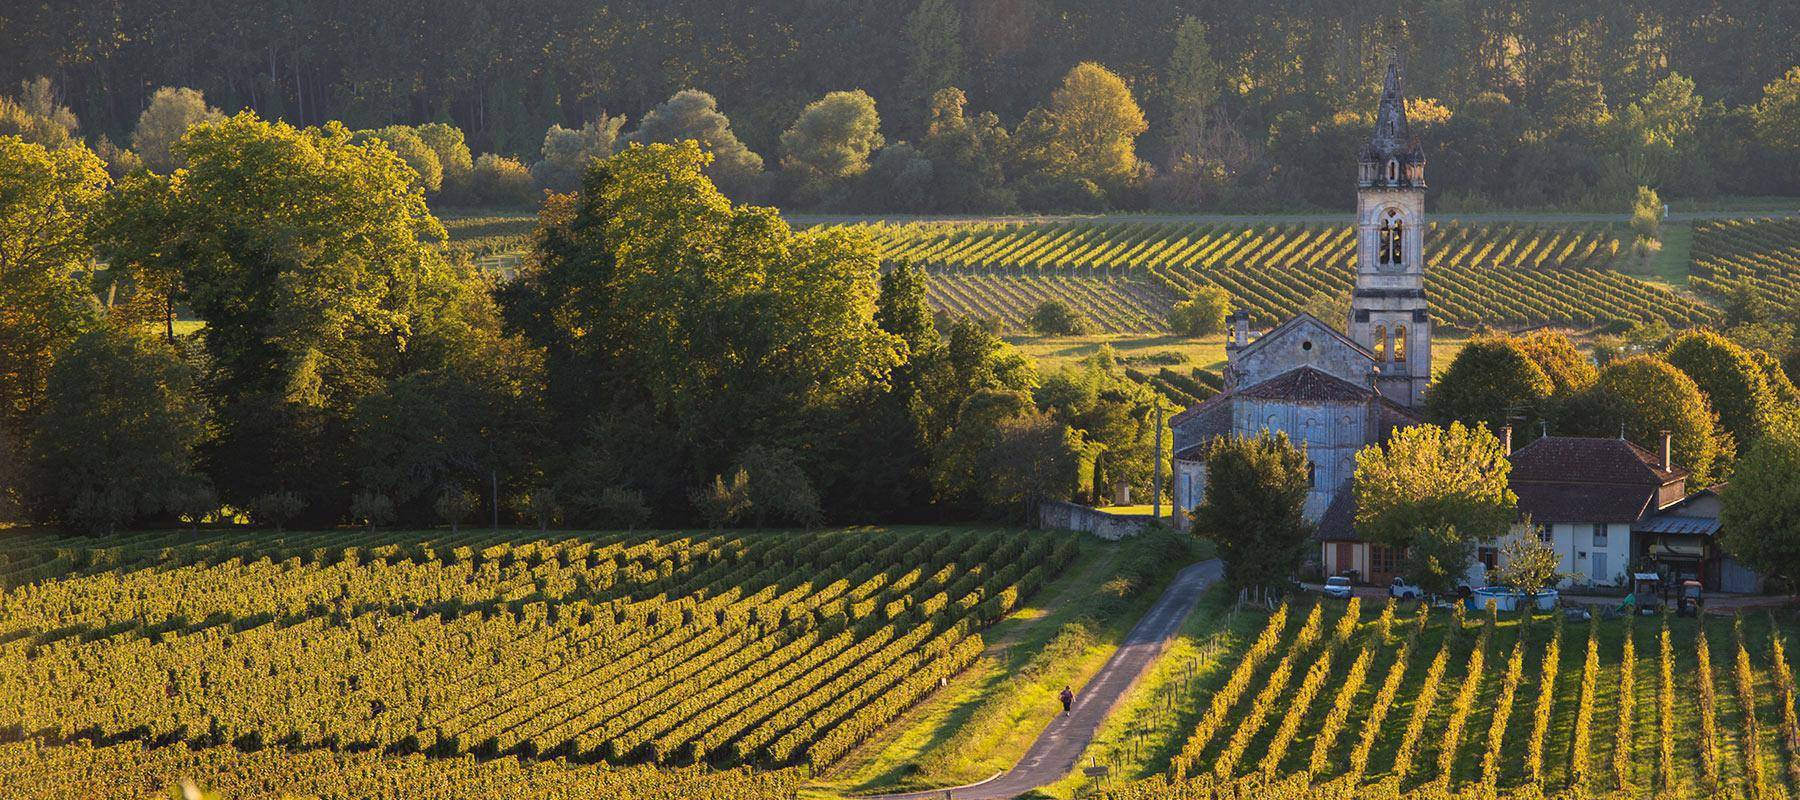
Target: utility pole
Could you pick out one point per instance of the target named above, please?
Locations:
(1156, 481)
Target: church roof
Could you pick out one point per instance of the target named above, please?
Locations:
(1307, 385)
(1296, 321)
(1393, 136)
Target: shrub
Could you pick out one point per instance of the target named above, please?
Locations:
(277, 508)
(1203, 313)
(372, 509)
(454, 505)
(1056, 318)
(502, 181)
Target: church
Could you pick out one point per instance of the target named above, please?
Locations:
(1334, 393)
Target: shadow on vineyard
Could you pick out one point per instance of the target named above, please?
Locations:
(338, 663)
(1320, 700)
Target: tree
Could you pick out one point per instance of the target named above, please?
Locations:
(1443, 481)
(1647, 396)
(622, 506)
(169, 115)
(566, 153)
(277, 508)
(693, 114)
(779, 488)
(934, 49)
(454, 504)
(1254, 506)
(116, 439)
(36, 117)
(1090, 129)
(1331, 308)
(314, 263)
(501, 181)
(1760, 519)
(1646, 220)
(458, 167)
(1576, 107)
(406, 143)
(1438, 558)
(372, 509)
(961, 464)
(1192, 78)
(967, 156)
(720, 503)
(47, 203)
(1777, 115)
(1203, 313)
(1528, 564)
(682, 330)
(1491, 382)
(1033, 459)
(1569, 371)
(831, 141)
(1734, 383)
(1056, 318)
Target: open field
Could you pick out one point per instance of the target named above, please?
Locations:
(266, 661)
(1311, 697)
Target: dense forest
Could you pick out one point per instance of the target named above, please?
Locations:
(1240, 104)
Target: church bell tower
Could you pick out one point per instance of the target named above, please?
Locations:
(1388, 311)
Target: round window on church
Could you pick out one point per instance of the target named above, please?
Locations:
(1306, 345)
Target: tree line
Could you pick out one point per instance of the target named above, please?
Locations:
(1217, 105)
(665, 355)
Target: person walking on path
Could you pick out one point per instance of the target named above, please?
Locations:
(1068, 699)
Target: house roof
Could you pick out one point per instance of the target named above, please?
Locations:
(1297, 320)
(1307, 385)
(1338, 523)
(1579, 459)
(1583, 502)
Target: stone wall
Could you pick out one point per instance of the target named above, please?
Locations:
(1075, 517)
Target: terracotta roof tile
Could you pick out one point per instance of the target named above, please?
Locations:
(1576, 459)
(1307, 385)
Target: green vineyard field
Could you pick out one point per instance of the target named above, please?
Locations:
(1763, 252)
(1324, 701)
(760, 649)
(495, 243)
(1492, 274)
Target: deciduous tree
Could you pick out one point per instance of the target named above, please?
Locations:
(1253, 508)
(1437, 479)
(1760, 521)
(117, 437)
(1491, 382)
(172, 110)
(693, 114)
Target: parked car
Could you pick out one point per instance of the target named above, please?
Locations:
(1338, 586)
(1403, 590)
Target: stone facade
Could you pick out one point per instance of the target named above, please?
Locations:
(1334, 393)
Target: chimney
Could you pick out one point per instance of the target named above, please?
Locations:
(1506, 440)
(1240, 328)
(1668, 445)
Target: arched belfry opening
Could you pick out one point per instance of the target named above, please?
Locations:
(1392, 242)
